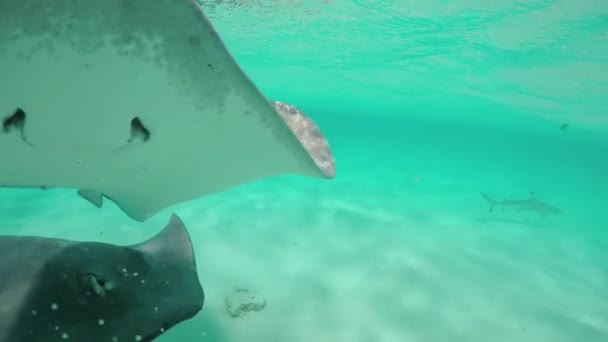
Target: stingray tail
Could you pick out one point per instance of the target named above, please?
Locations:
(491, 202)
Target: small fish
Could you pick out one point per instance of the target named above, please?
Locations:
(531, 204)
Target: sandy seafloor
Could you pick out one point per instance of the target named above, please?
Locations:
(399, 247)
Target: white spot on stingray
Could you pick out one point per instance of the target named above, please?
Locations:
(56, 327)
(114, 339)
(34, 312)
(64, 336)
(156, 309)
(124, 270)
(101, 321)
(54, 306)
(135, 274)
(162, 329)
(137, 338)
(143, 281)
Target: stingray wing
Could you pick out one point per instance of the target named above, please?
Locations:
(56, 290)
(137, 100)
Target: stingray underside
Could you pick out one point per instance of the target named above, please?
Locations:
(62, 290)
(138, 101)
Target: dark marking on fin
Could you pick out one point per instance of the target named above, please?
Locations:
(138, 130)
(16, 122)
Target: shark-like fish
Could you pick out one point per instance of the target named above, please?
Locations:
(531, 204)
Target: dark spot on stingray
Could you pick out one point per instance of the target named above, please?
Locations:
(16, 122)
(194, 41)
(138, 130)
(564, 126)
(210, 66)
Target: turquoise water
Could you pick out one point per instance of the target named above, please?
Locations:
(425, 104)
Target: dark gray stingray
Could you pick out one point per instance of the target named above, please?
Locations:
(59, 290)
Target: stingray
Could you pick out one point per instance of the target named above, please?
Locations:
(60, 290)
(135, 101)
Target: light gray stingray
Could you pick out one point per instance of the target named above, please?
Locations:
(59, 290)
(137, 101)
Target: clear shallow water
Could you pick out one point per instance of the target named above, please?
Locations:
(425, 104)
(462, 60)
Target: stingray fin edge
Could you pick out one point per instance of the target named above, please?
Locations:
(92, 196)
